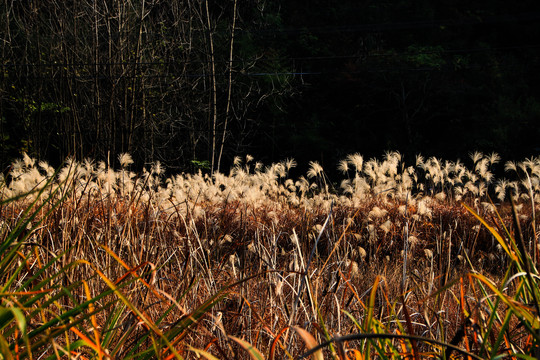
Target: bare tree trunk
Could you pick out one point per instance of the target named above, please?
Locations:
(229, 90)
(97, 96)
(214, 90)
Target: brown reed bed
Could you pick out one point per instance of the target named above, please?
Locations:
(221, 266)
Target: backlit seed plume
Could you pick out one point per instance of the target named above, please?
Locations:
(419, 160)
(494, 158)
(157, 168)
(357, 161)
(237, 161)
(290, 163)
(476, 156)
(343, 166)
(510, 166)
(314, 169)
(28, 162)
(500, 189)
(125, 160)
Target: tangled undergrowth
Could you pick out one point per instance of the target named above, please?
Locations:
(104, 263)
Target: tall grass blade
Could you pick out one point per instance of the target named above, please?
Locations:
(253, 352)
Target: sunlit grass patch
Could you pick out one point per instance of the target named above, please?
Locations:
(393, 260)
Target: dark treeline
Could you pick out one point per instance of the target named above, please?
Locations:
(194, 83)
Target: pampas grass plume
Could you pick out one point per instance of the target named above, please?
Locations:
(125, 160)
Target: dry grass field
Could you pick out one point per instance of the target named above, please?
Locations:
(434, 259)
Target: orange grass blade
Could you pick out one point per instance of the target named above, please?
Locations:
(402, 343)
(202, 353)
(310, 342)
(93, 320)
(276, 341)
(90, 343)
(353, 291)
(25, 293)
(254, 311)
(253, 352)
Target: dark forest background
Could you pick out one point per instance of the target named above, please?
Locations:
(194, 83)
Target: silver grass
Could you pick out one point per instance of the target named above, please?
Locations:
(17, 165)
(392, 156)
(28, 161)
(290, 163)
(346, 186)
(494, 158)
(289, 183)
(302, 184)
(157, 168)
(500, 188)
(125, 160)
(441, 196)
(237, 161)
(386, 226)
(377, 212)
(419, 161)
(356, 160)
(315, 170)
(343, 166)
(510, 166)
(49, 170)
(360, 185)
(476, 156)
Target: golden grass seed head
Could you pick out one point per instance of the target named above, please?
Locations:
(157, 168)
(346, 186)
(413, 241)
(500, 189)
(377, 212)
(419, 161)
(386, 226)
(28, 161)
(510, 166)
(476, 156)
(237, 161)
(361, 254)
(343, 166)
(357, 161)
(315, 169)
(372, 233)
(423, 208)
(353, 266)
(49, 170)
(290, 163)
(441, 196)
(494, 158)
(125, 160)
